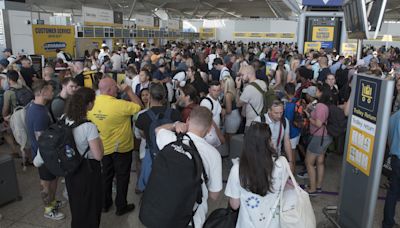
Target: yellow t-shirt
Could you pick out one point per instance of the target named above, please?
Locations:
(113, 119)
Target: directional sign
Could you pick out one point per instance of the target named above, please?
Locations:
(323, 2)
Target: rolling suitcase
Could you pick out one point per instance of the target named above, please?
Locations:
(9, 189)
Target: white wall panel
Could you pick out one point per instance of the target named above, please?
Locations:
(20, 31)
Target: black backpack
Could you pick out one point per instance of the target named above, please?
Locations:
(337, 121)
(174, 186)
(58, 149)
(23, 95)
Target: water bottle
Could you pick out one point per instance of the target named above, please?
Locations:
(69, 152)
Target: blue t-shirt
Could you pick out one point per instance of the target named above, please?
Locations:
(290, 108)
(37, 119)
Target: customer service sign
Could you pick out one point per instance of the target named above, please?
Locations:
(48, 38)
(363, 123)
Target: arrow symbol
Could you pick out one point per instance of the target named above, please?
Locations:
(325, 1)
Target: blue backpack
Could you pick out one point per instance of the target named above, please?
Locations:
(151, 147)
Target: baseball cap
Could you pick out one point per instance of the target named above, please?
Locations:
(4, 62)
(311, 91)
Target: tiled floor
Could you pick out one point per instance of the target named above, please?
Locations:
(28, 213)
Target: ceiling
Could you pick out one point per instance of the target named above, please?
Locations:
(195, 9)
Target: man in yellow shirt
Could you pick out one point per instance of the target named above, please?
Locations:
(113, 119)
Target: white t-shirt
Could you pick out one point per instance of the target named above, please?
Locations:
(255, 210)
(116, 61)
(224, 73)
(275, 129)
(211, 58)
(212, 165)
(212, 137)
(82, 135)
(252, 96)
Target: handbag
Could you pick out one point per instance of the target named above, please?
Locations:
(296, 210)
(222, 218)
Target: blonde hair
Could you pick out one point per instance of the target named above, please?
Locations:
(229, 86)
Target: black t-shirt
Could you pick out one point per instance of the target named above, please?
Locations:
(323, 74)
(143, 122)
(28, 74)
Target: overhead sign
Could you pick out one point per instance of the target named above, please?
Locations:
(48, 38)
(99, 17)
(118, 17)
(322, 2)
(308, 46)
(322, 33)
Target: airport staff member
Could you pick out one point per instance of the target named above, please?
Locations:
(113, 119)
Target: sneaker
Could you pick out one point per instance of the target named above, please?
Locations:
(319, 190)
(54, 214)
(302, 175)
(58, 204)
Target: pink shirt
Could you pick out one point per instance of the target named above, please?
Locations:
(321, 112)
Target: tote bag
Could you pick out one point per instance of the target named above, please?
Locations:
(296, 210)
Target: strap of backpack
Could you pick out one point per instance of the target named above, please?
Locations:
(255, 111)
(211, 102)
(258, 87)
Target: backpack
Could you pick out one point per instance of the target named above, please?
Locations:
(300, 120)
(211, 102)
(337, 121)
(23, 95)
(152, 149)
(268, 97)
(58, 149)
(19, 128)
(174, 186)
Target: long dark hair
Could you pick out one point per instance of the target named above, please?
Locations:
(77, 105)
(257, 160)
(326, 93)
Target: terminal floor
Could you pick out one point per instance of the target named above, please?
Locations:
(28, 213)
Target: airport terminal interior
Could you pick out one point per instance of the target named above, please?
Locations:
(199, 113)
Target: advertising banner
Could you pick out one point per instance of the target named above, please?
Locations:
(311, 46)
(48, 38)
(322, 33)
(97, 17)
(349, 49)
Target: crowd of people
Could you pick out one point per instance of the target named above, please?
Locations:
(285, 103)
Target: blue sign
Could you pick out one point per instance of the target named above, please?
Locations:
(326, 45)
(323, 2)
